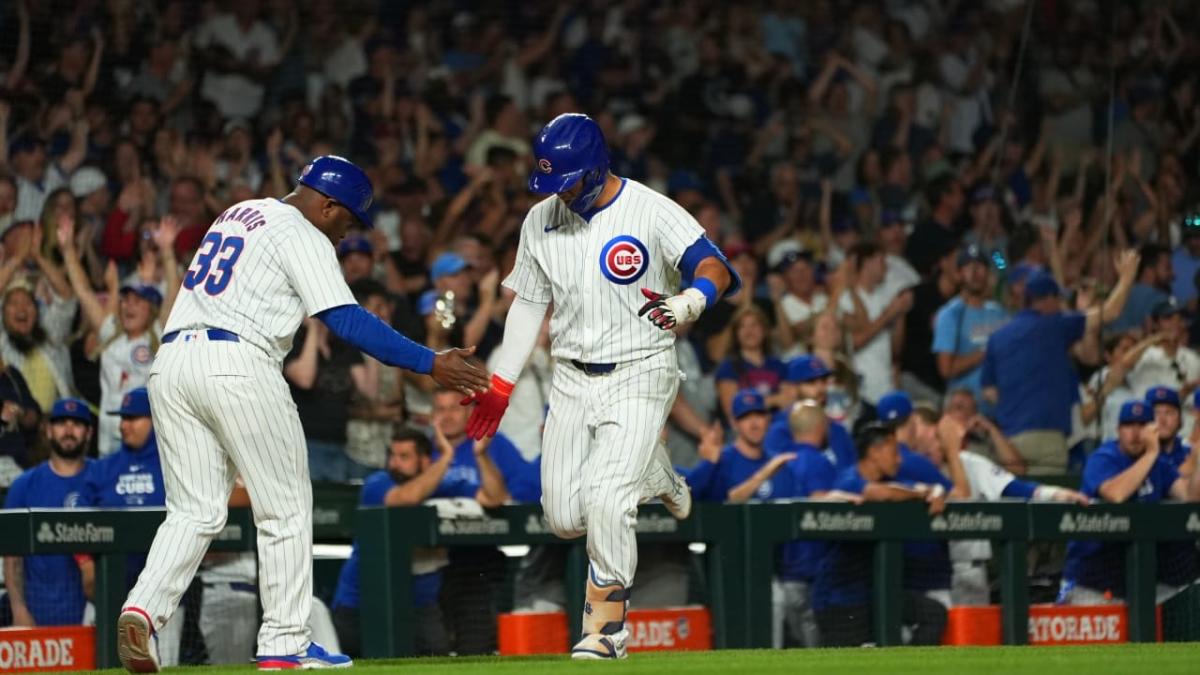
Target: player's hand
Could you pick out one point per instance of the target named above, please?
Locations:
(779, 460)
(453, 370)
(711, 442)
(1071, 496)
(489, 408)
(667, 312)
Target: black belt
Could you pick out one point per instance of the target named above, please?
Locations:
(213, 334)
(594, 368)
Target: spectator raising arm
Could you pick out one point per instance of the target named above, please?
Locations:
(93, 311)
(1126, 264)
(418, 488)
(492, 489)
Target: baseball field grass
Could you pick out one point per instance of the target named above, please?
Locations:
(1150, 659)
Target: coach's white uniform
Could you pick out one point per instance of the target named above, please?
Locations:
(222, 408)
(601, 430)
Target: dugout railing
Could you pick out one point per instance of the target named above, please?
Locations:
(740, 543)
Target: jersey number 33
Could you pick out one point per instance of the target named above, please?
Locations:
(213, 267)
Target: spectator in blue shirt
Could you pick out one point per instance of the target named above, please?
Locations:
(1129, 469)
(1027, 369)
(842, 589)
(1153, 286)
(1177, 561)
(750, 364)
(808, 379)
(48, 590)
(741, 470)
(963, 325)
(412, 476)
(1185, 263)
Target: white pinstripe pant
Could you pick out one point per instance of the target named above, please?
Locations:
(222, 409)
(597, 451)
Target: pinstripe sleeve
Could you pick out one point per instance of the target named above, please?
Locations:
(312, 269)
(676, 231)
(527, 279)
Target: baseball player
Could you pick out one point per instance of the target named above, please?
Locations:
(601, 250)
(222, 407)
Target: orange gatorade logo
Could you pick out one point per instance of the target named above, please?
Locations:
(685, 628)
(25, 650)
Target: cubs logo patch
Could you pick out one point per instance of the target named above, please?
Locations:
(141, 355)
(624, 260)
(305, 170)
(544, 166)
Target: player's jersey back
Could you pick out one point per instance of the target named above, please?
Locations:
(594, 271)
(260, 269)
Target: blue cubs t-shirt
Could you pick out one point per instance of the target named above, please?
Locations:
(1098, 565)
(840, 448)
(53, 587)
(712, 482)
(812, 473)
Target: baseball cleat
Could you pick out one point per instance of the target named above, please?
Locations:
(596, 647)
(678, 496)
(313, 657)
(137, 645)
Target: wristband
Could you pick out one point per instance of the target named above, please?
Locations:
(502, 386)
(708, 288)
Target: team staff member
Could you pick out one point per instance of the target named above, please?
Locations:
(47, 590)
(1177, 561)
(741, 470)
(1129, 469)
(842, 590)
(411, 476)
(808, 379)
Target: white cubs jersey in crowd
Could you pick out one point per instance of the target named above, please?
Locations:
(594, 271)
(260, 269)
(124, 364)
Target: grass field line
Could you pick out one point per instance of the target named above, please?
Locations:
(1148, 659)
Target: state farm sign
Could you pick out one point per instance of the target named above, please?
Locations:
(26, 650)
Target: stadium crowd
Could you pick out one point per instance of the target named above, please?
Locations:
(966, 249)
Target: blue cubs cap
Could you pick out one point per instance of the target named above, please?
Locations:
(1156, 395)
(970, 254)
(1041, 285)
(567, 148)
(342, 181)
(1135, 412)
(145, 292)
(72, 409)
(1165, 308)
(355, 244)
(894, 407)
(447, 264)
(1021, 273)
(807, 368)
(748, 401)
(135, 403)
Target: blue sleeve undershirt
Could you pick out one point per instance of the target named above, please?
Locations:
(1021, 489)
(700, 250)
(369, 334)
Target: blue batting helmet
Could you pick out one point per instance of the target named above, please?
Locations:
(342, 181)
(571, 147)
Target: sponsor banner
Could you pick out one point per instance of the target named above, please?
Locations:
(29, 650)
(836, 521)
(1081, 625)
(672, 629)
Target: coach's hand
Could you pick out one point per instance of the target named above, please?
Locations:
(667, 312)
(489, 408)
(452, 370)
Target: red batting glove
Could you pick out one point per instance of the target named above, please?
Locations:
(489, 408)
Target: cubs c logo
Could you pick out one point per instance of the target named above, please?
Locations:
(544, 165)
(624, 260)
(307, 168)
(141, 355)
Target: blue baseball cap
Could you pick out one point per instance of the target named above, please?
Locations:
(135, 403)
(1156, 395)
(807, 368)
(447, 264)
(1021, 273)
(71, 408)
(1041, 285)
(1135, 412)
(355, 244)
(894, 407)
(145, 292)
(748, 401)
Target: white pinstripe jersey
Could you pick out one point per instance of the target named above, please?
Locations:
(594, 271)
(261, 268)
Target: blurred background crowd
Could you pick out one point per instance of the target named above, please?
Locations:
(920, 193)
